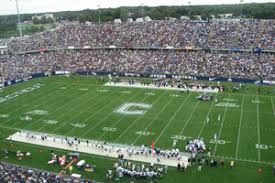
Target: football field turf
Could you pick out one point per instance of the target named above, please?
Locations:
(83, 107)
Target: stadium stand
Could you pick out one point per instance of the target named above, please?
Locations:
(212, 49)
(14, 173)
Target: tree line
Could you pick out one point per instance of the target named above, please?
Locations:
(252, 10)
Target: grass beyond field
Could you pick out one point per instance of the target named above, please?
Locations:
(83, 107)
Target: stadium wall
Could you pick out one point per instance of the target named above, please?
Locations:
(148, 75)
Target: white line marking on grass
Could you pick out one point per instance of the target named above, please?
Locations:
(244, 160)
(61, 107)
(22, 106)
(144, 98)
(171, 119)
(98, 123)
(217, 156)
(99, 110)
(189, 118)
(134, 122)
(50, 106)
(207, 116)
(272, 106)
(239, 132)
(82, 111)
(15, 103)
(94, 104)
(258, 129)
(23, 103)
(224, 115)
(146, 128)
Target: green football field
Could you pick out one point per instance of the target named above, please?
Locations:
(83, 107)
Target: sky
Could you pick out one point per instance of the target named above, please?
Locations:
(39, 6)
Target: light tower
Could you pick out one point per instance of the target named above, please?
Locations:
(189, 12)
(98, 6)
(18, 18)
(241, 8)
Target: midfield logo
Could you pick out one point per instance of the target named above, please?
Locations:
(133, 108)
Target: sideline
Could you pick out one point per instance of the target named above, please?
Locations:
(151, 86)
(95, 147)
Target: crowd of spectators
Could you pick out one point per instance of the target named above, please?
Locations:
(135, 171)
(227, 34)
(233, 65)
(14, 173)
(246, 33)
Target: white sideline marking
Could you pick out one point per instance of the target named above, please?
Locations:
(109, 150)
(239, 132)
(258, 126)
(244, 160)
(272, 106)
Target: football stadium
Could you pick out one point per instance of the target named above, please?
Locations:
(186, 94)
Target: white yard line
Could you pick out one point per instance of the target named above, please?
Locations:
(101, 120)
(22, 106)
(171, 119)
(94, 104)
(149, 124)
(244, 160)
(134, 122)
(61, 107)
(272, 106)
(189, 118)
(36, 95)
(223, 119)
(239, 132)
(258, 129)
(207, 116)
(50, 106)
(124, 116)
